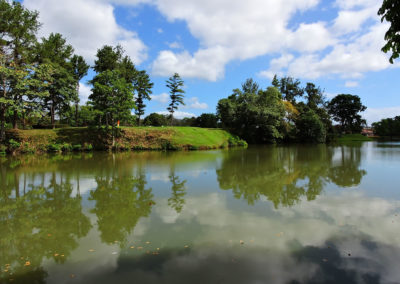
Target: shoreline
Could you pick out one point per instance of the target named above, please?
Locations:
(86, 139)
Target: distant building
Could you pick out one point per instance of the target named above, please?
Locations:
(367, 131)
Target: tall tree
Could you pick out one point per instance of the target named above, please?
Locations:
(290, 89)
(113, 96)
(345, 109)
(175, 85)
(18, 28)
(390, 11)
(108, 58)
(250, 86)
(143, 87)
(79, 70)
(55, 51)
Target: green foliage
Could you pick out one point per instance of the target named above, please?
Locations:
(77, 147)
(390, 12)
(175, 85)
(310, 128)
(345, 108)
(253, 117)
(3, 149)
(206, 120)
(112, 95)
(290, 88)
(54, 147)
(143, 87)
(13, 145)
(389, 127)
(156, 119)
(88, 147)
(66, 147)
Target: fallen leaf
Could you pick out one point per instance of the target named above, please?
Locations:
(27, 263)
(132, 247)
(241, 242)
(91, 250)
(147, 243)
(186, 246)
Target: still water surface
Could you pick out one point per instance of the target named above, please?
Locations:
(273, 214)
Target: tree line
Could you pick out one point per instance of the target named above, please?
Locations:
(286, 111)
(39, 80)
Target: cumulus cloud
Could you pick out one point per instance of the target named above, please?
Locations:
(351, 84)
(178, 114)
(376, 114)
(161, 98)
(195, 103)
(87, 25)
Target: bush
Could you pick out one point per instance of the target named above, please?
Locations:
(28, 149)
(88, 147)
(77, 147)
(3, 149)
(13, 145)
(66, 147)
(54, 147)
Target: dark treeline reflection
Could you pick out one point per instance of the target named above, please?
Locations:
(37, 222)
(121, 200)
(284, 175)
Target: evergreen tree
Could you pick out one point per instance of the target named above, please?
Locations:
(55, 51)
(18, 28)
(175, 85)
(79, 70)
(143, 87)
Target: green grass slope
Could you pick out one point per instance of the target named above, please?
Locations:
(128, 138)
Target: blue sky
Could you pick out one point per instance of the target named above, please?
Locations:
(216, 44)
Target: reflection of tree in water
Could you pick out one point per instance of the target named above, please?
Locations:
(177, 200)
(346, 172)
(121, 200)
(40, 222)
(284, 175)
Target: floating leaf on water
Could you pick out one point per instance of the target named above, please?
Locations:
(114, 252)
(147, 243)
(156, 253)
(72, 276)
(139, 247)
(158, 248)
(186, 246)
(132, 247)
(241, 242)
(91, 250)
(27, 263)
(56, 254)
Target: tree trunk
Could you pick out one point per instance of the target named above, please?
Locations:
(76, 105)
(15, 119)
(138, 120)
(52, 110)
(2, 122)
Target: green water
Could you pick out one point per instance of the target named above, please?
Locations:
(273, 214)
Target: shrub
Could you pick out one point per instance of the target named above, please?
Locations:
(77, 147)
(54, 147)
(3, 149)
(66, 147)
(88, 147)
(13, 145)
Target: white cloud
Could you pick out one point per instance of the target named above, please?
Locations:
(376, 114)
(351, 84)
(161, 98)
(87, 25)
(160, 30)
(195, 103)
(175, 44)
(206, 64)
(84, 93)
(178, 114)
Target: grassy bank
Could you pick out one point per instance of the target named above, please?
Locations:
(128, 138)
(352, 138)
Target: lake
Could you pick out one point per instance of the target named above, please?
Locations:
(268, 214)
